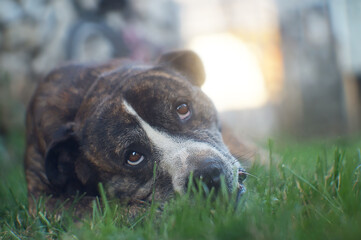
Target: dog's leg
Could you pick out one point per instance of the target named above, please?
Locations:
(35, 176)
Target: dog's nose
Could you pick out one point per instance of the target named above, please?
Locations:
(209, 172)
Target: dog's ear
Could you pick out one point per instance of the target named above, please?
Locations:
(186, 63)
(60, 158)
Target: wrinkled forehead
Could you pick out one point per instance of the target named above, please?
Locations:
(157, 83)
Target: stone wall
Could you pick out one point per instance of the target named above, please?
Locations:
(37, 35)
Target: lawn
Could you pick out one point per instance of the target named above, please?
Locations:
(311, 190)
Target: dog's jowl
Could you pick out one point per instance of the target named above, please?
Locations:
(112, 123)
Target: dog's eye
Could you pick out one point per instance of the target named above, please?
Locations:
(134, 158)
(183, 111)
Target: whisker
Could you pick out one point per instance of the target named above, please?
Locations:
(249, 174)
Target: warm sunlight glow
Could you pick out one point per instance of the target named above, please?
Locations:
(234, 79)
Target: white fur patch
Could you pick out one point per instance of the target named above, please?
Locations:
(177, 153)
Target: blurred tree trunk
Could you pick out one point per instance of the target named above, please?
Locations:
(313, 101)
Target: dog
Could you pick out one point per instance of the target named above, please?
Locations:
(119, 122)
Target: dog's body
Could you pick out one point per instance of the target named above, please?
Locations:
(111, 123)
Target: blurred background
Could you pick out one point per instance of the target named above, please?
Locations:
(274, 67)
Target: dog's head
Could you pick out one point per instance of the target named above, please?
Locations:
(137, 117)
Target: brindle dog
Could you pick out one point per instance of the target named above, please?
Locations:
(111, 123)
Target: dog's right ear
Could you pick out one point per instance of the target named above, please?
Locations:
(61, 156)
(187, 63)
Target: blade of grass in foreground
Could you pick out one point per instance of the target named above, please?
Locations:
(313, 187)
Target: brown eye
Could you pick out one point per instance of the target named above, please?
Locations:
(183, 111)
(134, 158)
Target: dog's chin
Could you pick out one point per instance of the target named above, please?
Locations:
(241, 189)
(156, 196)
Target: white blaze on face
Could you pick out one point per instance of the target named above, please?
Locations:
(176, 153)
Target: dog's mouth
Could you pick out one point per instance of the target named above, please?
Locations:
(240, 190)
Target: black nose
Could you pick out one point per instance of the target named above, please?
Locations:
(209, 172)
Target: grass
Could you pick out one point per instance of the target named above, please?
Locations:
(312, 192)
